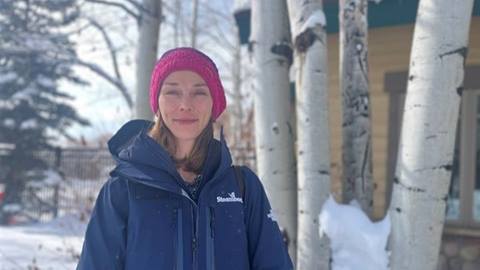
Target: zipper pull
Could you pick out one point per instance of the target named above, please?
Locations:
(194, 244)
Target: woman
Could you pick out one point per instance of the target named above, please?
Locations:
(174, 201)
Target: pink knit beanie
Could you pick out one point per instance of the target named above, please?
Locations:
(188, 59)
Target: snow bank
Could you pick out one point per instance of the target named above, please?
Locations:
(8, 77)
(356, 242)
(55, 245)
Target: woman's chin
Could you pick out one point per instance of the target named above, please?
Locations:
(186, 135)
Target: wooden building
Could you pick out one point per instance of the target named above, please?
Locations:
(391, 25)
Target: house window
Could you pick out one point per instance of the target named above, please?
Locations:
(476, 196)
(453, 201)
(464, 193)
(463, 204)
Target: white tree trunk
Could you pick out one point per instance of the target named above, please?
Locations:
(237, 115)
(270, 45)
(313, 139)
(176, 24)
(357, 180)
(149, 28)
(194, 30)
(425, 155)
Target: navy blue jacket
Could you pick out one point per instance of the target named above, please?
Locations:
(145, 219)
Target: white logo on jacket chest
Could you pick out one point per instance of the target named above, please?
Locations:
(231, 198)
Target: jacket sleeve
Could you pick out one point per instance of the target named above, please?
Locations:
(265, 242)
(105, 239)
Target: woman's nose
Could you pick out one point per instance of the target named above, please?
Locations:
(186, 103)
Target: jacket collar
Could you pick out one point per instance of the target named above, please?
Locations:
(142, 159)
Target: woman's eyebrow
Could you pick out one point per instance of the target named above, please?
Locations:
(171, 83)
(200, 84)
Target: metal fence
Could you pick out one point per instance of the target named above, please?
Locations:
(74, 180)
(70, 186)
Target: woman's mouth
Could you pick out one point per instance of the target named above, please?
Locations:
(185, 121)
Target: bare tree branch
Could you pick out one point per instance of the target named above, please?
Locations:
(111, 48)
(100, 72)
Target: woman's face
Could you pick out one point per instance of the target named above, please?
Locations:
(185, 104)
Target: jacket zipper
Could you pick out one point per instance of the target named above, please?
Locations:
(194, 236)
(194, 219)
(179, 237)
(211, 238)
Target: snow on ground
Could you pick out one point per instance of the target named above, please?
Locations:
(356, 242)
(54, 245)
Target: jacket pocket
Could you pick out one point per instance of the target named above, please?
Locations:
(231, 246)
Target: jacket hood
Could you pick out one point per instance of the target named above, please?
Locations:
(139, 157)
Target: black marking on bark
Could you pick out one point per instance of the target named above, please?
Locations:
(431, 137)
(411, 77)
(366, 161)
(398, 210)
(460, 90)
(270, 149)
(275, 172)
(305, 40)
(413, 189)
(290, 129)
(307, 120)
(300, 152)
(284, 49)
(363, 67)
(447, 167)
(276, 130)
(445, 198)
(462, 51)
(251, 43)
(322, 172)
(365, 113)
(302, 212)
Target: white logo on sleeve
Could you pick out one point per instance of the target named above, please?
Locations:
(231, 198)
(271, 215)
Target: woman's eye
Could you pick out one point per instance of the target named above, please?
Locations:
(201, 93)
(172, 92)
